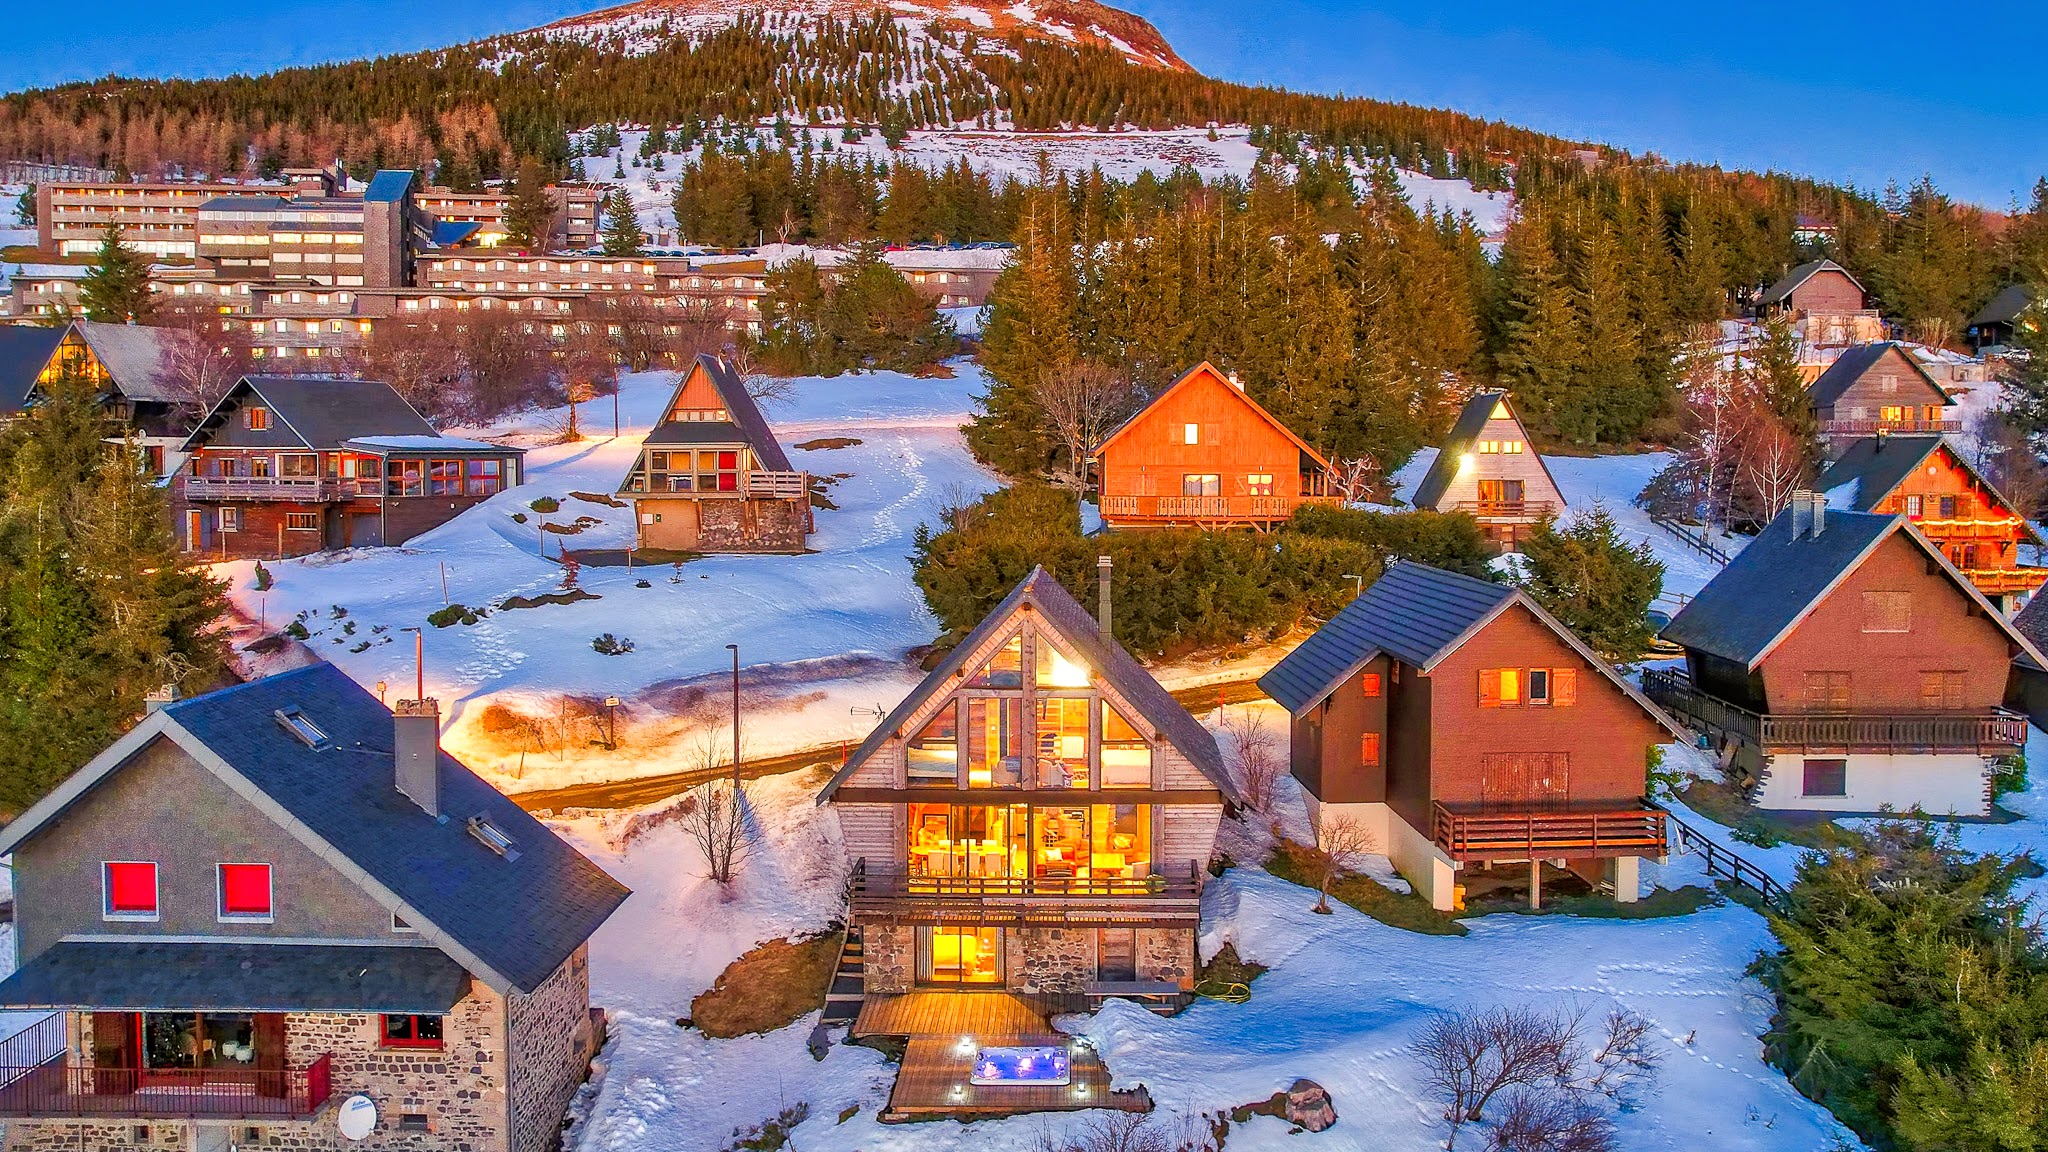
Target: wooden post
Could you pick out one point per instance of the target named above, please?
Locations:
(1535, 883)
(444, 583)
(280, 539)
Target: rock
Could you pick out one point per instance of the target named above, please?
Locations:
(1308, 1105)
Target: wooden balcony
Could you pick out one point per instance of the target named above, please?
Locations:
(1873, 427)
(1509, 509)
(287, 489)
(1535, 833)
(1206, 509)
(777, 485)
(1991, 732)
(1962, 528)
(1998, 581)
(56, 1089)
(889, 892)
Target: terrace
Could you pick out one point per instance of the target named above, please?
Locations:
(890, 892)
(1991, 732)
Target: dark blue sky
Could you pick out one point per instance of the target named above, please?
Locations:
(1845, 90)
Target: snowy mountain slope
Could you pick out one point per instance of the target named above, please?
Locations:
(641, 25)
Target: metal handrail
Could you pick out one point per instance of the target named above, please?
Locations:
(57, 1088)
(1722, 862)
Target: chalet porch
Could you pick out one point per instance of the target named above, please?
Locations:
(1993, 732)
(39, 1079)
(947, 1033)
(1466, 834)
(890, 894)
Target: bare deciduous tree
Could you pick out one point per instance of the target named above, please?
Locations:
(201, 355)
(1355, 479)
(417, 359)
(1539, 1120)
(1082, 401)
(1538, 1056)
(1258, 767)
(1342, 843)
(716, 815)
(1774, 465)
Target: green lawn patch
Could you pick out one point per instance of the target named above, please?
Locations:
(768, 987)
(1290, 862)
(1727, 807)
(1227, 977)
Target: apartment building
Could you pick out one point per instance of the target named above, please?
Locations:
(576, 213)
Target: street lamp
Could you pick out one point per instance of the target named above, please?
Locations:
(611, 707)
(735, 650)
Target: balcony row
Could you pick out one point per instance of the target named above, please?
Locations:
(1871, 427)
(1535, 833)
(1189, 508)
(891, 891)
(58, 1089)
(1516, 509)
(1991, 732)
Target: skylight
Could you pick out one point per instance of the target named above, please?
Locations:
(492, 837)
(297, 724)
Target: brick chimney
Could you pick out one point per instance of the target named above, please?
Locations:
(416, 746)
(1103, 565)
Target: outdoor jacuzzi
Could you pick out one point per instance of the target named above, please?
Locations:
(1021, 1065)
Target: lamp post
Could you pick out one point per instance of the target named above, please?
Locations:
(611, 707)
(735, 650)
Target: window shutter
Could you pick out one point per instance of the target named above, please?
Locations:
(1370, 683)
(1489, 687)
(1564, 686)
(1369, 750)
(1930, 690)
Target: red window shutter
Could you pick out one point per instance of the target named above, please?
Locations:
(1489, 687)
(1370, 682)
(728, 459)
(1369, 750)
(1564, 686)
(131, 887)
(245, 889)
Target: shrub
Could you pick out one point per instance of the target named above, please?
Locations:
(454, 614)
(297, 630)
(611, 645)
(1449, 540)
(263, 580)
(545, 504)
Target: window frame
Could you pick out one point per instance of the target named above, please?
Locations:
(1838, 764)
(413, 1043)
(131, 915)
(220, 904)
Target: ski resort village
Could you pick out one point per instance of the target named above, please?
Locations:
(874, 576)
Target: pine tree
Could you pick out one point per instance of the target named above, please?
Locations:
(530, 211)
(25, 207)
(1595, 583)
(1542, 346)
(116, 289)
(621, 224)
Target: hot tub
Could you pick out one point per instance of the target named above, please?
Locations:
(1021, 1065)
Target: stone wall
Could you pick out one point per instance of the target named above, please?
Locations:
(1167, 954)
(752, 525)
(551, 1049)
(103, 1136)
(888, 958)
(1051, 959)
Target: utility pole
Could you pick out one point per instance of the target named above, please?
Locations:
(735, 650)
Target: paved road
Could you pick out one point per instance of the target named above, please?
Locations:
(649, 789)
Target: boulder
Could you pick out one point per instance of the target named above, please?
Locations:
(1309, 1106)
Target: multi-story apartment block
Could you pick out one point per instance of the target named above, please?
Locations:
(576, 213)
(269, 900)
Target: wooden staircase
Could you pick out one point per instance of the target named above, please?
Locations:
(843, 995)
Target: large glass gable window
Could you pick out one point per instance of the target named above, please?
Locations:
(933, 756)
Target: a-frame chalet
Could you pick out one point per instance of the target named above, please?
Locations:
(1489, 468)
(711, 477)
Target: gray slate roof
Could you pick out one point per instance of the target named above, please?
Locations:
(511, 922)
(696, 432)
(1872, 467)
(2005, 308)
(25, 350)
(1773, 583)
(1800, 275)
(324, 411)
(134, 356)
(1415, 613)
(1850, 366)
(1442, 470)
(146, 974)
(1154, 704)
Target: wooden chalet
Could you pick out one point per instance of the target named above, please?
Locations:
(2015, 308)
(711, 477)
(1923, 478)
(1829, 305)
(1489, 469)
(1036, 816)
(127, 362)
(1841, 663)
(1203, 454)
(288, 465)
(1466, 727)
(1879, 387)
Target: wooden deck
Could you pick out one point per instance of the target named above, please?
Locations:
(948, 1029)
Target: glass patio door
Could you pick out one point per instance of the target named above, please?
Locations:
(960, 956)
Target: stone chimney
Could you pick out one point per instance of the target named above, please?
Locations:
(1103, 565)
(1809, 513)
(416, 746)
(160, 697)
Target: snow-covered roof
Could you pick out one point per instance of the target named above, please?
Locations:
(425, 443)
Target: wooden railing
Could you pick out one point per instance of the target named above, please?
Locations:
(1993, 581)
(1723, 862)
(1995, 528)
(56, 1088)
(1693, 538)
(1873, 427)
(1194, 508)
(1991, 730)
(891, 889)
(1531, 508)
(305, 489)
(778, 485)
(1481, 834)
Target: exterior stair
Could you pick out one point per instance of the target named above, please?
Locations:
(843, 995)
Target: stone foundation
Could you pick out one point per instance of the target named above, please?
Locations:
(752, 525)
(888, 958)
(1167, 954)
(1050, 959)
(552, 1041)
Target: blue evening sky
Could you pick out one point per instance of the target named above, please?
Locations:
(1850, 90)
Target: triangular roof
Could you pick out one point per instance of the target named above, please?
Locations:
(511, 922)
(25, 350)
(739, 403)
(1208, 369)
(133, 356)
(2006, 307)
(1871, 468)
(1850, 366)
(1790, 282)
(1753, 604)
(1060, 611)
(324, 412)
(1471, 422)
(1418, 615)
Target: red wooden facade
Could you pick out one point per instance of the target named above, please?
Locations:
(1972, 523)
(1204, 454)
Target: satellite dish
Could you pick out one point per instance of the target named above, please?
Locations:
(357, 1118)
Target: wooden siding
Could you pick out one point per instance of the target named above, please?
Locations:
(1892, 381)
(1605, 734)
(1826, 291)
(1982, 535)
(1539, 492)
(1140, 471)
(1946, 632)
(871, 831)
(1187, 832)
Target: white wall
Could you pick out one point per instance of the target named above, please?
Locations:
(1940, 785)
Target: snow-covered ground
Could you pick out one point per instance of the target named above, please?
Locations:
(825, 633)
